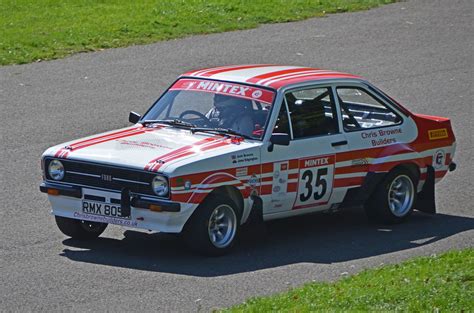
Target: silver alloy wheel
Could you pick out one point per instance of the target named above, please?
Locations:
(401, 194)
(222, 226)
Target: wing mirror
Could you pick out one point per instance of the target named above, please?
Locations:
(281, 139)
(134, 117)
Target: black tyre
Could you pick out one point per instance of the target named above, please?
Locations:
(78, 229)
(394, 199)
(213, 227)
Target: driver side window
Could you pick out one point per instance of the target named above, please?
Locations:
(312, 112)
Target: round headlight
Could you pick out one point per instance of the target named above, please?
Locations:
(56, 170)
(160, 186)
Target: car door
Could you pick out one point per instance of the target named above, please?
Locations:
(302, 173)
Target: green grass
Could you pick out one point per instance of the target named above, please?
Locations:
(32, 30)
(439, 283)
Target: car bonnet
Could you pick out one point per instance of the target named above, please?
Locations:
(147, 148)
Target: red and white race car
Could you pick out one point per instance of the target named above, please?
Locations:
(227, 145)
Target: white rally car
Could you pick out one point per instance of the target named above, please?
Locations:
(229, 145)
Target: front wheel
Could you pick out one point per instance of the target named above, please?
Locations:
(393, 200)
(213, 227)
(78, 229)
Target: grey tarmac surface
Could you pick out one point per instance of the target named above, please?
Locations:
(420, 52)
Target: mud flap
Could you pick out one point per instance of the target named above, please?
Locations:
(426, 198)
(256, 212)
(254, 227)
(360, 195)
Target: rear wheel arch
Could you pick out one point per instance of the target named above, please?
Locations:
(360, 196)
(377, 207)
(410, 166)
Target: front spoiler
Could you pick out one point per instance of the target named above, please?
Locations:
(136, 201)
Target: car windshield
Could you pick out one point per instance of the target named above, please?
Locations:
(206, 105)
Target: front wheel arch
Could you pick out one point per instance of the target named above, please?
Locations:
(196, 231)
(226, 190)
(234, 194)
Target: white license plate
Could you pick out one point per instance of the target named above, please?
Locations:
(102, 209)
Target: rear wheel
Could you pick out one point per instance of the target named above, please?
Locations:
(213, 227)
(393, 200)
(78, 229)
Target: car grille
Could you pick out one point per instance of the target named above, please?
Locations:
(104, 176)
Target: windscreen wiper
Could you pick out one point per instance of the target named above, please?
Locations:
(226, 131)
(174, 122)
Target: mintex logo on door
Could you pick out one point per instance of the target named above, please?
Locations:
(317, 161)
(315, 181)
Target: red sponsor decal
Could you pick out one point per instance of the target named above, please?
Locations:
(225, 88)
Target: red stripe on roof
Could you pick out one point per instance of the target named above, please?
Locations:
(277, 73)
(282, 77)
(202, 70)
(235, 68)
(293, 80)
(265, 82)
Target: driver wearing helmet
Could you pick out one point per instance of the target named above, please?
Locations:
(232, 112)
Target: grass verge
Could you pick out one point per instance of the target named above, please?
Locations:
(32, 30)
(436, 283)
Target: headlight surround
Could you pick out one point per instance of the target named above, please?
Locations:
(159, 185)
(56, 170)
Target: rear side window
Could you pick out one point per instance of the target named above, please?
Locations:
(362, 110)
(312, 112)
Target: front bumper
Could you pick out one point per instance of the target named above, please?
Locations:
(140, 211)
(59, 189)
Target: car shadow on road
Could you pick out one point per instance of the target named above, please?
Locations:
(318, 238)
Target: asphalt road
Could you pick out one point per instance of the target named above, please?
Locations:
(420, 52)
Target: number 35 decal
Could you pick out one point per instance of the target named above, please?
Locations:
(315, 181)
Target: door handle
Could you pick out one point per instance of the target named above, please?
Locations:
(339, 143)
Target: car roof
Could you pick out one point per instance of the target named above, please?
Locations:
(268, 75)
